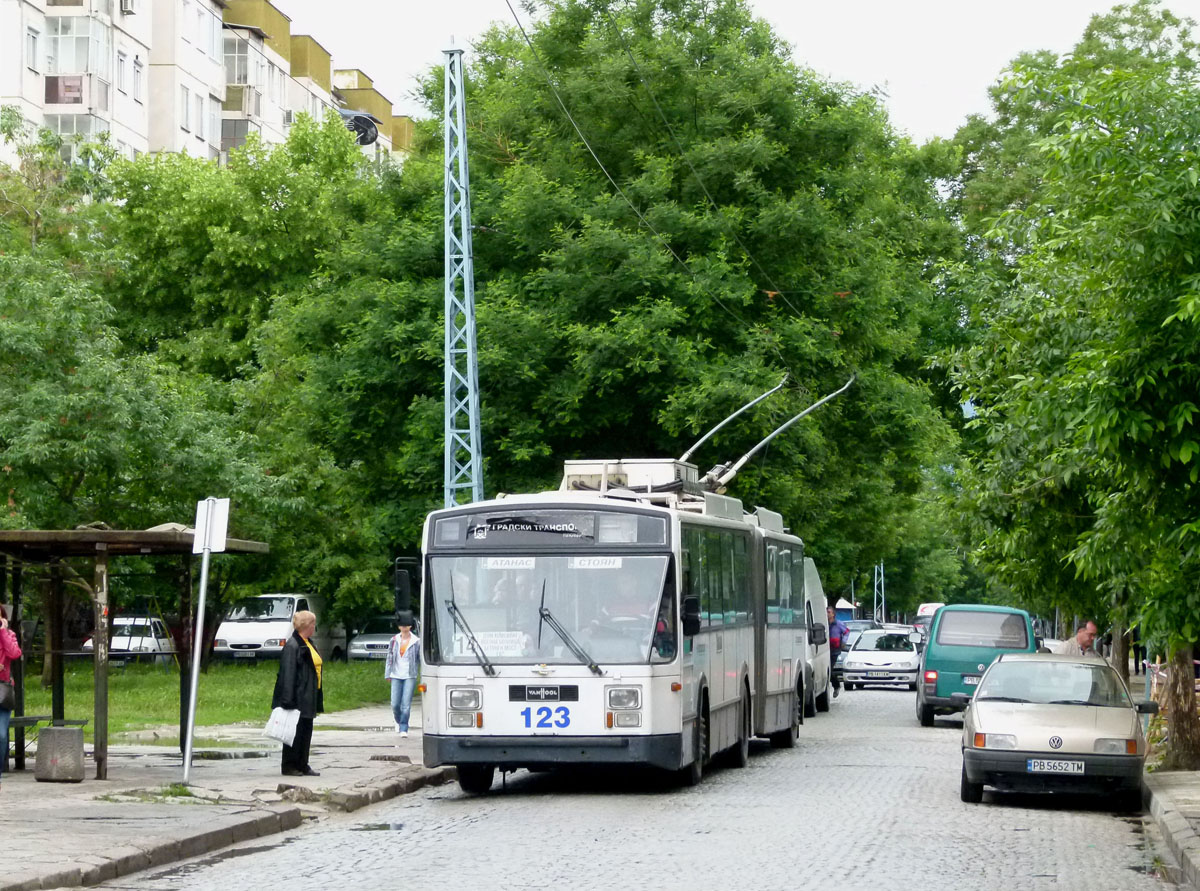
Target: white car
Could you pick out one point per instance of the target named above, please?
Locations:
(373, 640)
(881, 656)
(138, 637)
(258, 627)
(1047, 723)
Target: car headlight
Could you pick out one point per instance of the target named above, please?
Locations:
(1115, 747)
(995, 741)
(275, 642)
(854, 663)
(220, 642)
(624, 697)
(465, 698)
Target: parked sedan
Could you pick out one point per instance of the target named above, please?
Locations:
(138, 637)
(1048, 723)
(880, 656)
(372, 641)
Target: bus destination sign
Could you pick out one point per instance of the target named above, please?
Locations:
(533, 528)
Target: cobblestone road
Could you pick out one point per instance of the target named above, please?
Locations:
(867, 802)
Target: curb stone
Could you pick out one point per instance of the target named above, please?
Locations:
(130, 860)
(1177, 832)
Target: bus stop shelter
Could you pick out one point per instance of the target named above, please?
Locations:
(49, 547)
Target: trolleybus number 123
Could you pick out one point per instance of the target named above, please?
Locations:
(543, 716)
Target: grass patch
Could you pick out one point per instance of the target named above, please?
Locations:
(141, 696)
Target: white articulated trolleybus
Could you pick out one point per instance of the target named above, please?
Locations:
(631, 617)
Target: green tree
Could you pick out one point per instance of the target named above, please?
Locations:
(774, 223)
(1086, 370)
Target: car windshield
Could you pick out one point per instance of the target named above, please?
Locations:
(982, 628)
(1057, 683)
(381, 625)
(254, 609)
(886, 641)
(853, 636)
(613, 606)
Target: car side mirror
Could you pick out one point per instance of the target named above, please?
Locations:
(1149, 707)
(962, 700)
(691, 616)
(817, 635)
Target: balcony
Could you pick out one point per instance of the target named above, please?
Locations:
(243, 100)
(80, 91)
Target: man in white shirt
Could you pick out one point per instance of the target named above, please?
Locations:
(1082, 644)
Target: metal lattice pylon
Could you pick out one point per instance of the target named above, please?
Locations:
(463, 460)
(880, 595)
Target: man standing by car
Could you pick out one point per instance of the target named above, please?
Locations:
(1083, 644)
(838, 632)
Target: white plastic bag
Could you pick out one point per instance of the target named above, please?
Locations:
(282, 724)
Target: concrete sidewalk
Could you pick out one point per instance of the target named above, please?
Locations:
(67, 834)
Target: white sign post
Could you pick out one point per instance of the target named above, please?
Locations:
(212, 519)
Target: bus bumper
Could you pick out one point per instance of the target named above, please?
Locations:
(554, 751)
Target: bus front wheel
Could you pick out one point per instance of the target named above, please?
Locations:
(475, 779)
(694, 772)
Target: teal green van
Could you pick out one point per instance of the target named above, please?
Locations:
(964, 639)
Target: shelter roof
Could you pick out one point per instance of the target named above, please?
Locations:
(39, 545)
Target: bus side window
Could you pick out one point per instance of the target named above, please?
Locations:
(783, 578)
(741, 578)
(798, 586)
(773, 617)
(699, 573)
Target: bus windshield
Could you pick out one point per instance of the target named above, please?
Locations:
(614, 607)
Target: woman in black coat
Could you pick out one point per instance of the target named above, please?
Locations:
(298, 686)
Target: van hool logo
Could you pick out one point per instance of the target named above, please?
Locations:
(1056, 742)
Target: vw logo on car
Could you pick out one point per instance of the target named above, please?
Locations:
(1056, 742)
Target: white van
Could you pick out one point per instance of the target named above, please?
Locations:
(258, 627)
(815, 608)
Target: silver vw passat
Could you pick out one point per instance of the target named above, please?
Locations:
(1047, 723)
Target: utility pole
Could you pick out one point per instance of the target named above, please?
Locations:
(463, 460)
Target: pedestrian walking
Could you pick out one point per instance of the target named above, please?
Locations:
(402, 668)
(10, 651)
(1139, 650)
(838, 635)
(298, 686)
(1082, 644)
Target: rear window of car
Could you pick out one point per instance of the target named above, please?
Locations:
(1001, 631)
(887, 641)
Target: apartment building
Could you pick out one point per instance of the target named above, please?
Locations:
(79, 67)
(187, 77)
(190, 76)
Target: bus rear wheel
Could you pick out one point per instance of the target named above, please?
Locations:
(475, 779)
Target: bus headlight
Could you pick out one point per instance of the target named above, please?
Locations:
(464, 698)
(624, 697)
(462, 719)
(628, 719)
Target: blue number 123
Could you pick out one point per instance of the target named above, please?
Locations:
(547, 717)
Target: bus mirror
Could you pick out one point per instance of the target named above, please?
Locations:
(691, 616)
(403, 589)
(817, 635)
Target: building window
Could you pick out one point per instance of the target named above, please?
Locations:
(123, 72)
(214, 38)
(78, 44)
(214, 119)
(185, 21)
(185, 106)
(137, 78)
(233, 134)
(31, 49)
(198, 115)
(201, 28)
(237, 61)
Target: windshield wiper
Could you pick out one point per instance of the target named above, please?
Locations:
(472, 641)
(1000, 699)
(544, 615)
(1071, 702)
